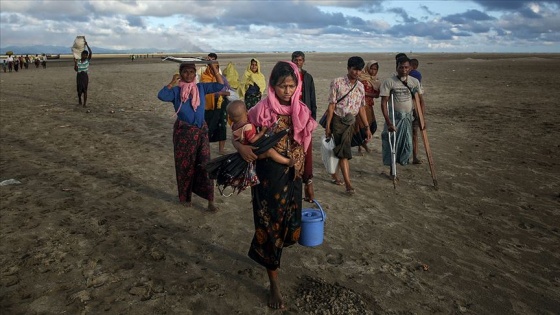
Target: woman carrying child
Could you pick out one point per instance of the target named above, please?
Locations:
(277, 200)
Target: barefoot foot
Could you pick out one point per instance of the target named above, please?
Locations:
(275, 301)
(212, 207)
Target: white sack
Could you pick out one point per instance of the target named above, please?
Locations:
(79, 46)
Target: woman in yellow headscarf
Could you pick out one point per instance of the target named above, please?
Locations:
(215, 111)
(253, 84)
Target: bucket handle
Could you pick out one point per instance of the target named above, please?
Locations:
(320, 208)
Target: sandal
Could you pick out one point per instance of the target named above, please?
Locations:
(337, 182)
(350, 191)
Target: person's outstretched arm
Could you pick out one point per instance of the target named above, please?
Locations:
(89, 50)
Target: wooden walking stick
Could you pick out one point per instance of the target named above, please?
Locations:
(420, 115)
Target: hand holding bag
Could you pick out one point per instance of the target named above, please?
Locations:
(327, 155)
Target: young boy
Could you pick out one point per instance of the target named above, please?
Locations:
(246, 133)
(82, 80)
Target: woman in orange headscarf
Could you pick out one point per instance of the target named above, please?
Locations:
(215, 111)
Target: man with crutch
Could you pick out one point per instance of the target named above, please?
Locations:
(396, 138)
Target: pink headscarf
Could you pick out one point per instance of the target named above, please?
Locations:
(266, 112)
(189, 88)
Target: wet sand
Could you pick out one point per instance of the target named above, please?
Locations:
(94, 224)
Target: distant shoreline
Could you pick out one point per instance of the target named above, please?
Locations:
(187, 54)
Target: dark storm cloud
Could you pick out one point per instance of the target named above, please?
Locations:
(289, 15)
(499, 5)
(438, 31)
(272, 14)
(468, 17)
(136, 21)
(516, 5)
(530, 14)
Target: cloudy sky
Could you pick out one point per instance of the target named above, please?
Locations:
(286, 25)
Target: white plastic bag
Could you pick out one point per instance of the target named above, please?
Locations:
(232, 95)
(329, 159)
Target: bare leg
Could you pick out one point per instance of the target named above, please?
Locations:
(212, 207)
(345, 168)
(85, 98)
(335, 180)
(275, 300)
(309, 192)
(415, 159)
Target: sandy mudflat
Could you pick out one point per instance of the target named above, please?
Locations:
(94, 225)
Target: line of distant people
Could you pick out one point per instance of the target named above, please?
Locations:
(15, 63)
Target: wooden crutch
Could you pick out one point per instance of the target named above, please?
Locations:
(420, 115)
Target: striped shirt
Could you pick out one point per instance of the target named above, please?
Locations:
(83, 66)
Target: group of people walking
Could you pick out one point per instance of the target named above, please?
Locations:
(15, 63)
(286, 102)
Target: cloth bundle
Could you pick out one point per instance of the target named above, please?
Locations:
(79, 46)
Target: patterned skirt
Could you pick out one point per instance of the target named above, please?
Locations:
(192, 153)
(252, 100)
(277, 203)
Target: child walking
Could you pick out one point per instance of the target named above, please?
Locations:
(81, 66)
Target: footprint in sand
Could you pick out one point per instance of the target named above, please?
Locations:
(251, 273)
(335, 259)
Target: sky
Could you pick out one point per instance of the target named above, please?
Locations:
(286, 25)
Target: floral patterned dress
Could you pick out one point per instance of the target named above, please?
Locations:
(277, 201)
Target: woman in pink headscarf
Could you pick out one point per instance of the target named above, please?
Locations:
(190, 133)
(277, 200)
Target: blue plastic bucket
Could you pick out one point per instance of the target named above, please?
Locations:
(312, 226)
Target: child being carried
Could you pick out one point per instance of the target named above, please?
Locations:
(246, 133)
